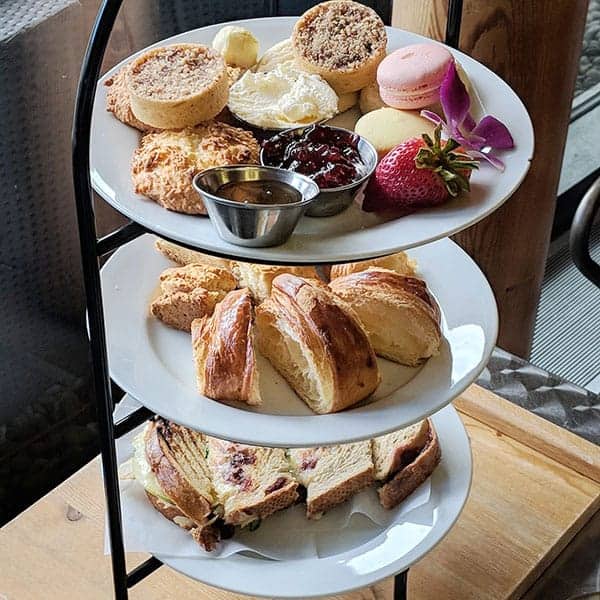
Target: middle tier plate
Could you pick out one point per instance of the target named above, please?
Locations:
(154, 363)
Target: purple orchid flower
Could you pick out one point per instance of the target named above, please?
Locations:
(478, 139)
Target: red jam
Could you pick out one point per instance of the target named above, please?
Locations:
(329, 156)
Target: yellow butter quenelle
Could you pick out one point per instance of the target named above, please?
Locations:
(283, 97)
(237, 46)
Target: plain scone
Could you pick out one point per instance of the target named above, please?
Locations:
(190, 292)
(251, 482)
(184, 256)
(163, 166)
(342, 41)
(177, 86)
(224, 352)
(400, 316)
(332, 474)
(317, 344)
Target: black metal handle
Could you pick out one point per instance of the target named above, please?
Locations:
(579, 239)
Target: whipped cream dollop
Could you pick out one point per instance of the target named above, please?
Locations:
(281, 98)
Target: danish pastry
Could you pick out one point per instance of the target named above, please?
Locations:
(317, 344)
(400, 316)
(224, 352)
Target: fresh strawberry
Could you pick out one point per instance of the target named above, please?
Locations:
(418, 173)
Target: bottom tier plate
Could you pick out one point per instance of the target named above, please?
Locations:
(353, 558)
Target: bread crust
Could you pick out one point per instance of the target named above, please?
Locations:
(170, 476)
(276, 501)
(224, 354)
(400, 452)
(344, 360)
(163, 166)
(342, 41)
(409, 478)
(339, 494)
(401, 300)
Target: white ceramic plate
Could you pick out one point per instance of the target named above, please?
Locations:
(351, 564)
(153, 362)
(351, 235)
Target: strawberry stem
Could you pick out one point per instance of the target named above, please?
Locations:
(452, 167)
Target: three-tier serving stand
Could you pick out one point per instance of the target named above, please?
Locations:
(92, 249)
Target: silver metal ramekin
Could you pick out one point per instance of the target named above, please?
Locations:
(332, 201)
(253, 225)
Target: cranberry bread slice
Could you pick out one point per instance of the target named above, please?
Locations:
(332, 475)
(250, 482)
(415, 468)
(395, 450)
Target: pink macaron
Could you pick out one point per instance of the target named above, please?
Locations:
(410, 77)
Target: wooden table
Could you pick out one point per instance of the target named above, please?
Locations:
(534, 486)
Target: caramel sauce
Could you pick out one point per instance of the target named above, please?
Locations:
(259, 192)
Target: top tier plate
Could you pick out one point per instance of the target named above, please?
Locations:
(352, 235)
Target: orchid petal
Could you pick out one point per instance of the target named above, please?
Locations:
(468, 123)
(489, 157)
(494, 132)
(454, 98)
(431, 116)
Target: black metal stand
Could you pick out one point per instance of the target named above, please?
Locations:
(91, 249)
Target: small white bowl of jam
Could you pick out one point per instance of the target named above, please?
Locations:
(254, 206)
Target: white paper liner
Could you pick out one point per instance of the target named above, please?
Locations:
(287, 535)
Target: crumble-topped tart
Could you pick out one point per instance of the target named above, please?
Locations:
(178, 86)
(342, 41)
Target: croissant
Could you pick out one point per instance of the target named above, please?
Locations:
(400, 316)
(258, 278)
(318, 345)
(399, 262)
(224, 353)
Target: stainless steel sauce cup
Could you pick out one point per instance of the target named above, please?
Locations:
(253, 225)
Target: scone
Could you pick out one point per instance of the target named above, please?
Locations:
(400, 316)
(259, 278)
(317, 344)
(250, 482)
(332, 474)
(165, 163)
(118, 101)
(387, 127)
(192, 276)
(224, 353)
(399, 262)
(184, 256)
(190, 292)
(342, 41)
(347, 101)
(177, 86)
(179, 309)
